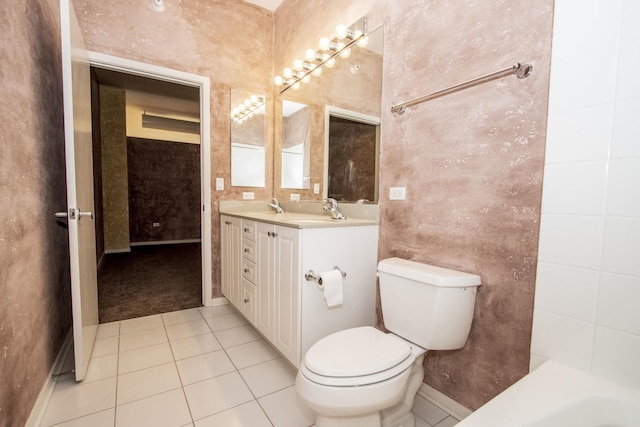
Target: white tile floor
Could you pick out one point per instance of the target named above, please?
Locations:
(201, 367)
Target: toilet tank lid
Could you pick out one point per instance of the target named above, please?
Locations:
(430, 274)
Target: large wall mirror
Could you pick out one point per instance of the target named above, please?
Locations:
(343, 106)
(247, 139)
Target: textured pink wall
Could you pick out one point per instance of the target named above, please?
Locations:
(35, 311)
(472, 162)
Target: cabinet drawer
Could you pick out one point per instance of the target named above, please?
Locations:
(249, 250)
(249, 270)
(248, 301)
(249, 229)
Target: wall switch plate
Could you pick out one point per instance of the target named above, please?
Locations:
(397, 193)
(316, 188)
(219, 184)
(248, 195)
(156, 224)
(294, 197)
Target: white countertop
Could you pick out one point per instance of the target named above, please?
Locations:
(300, 220)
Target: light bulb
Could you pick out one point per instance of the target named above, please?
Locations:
(297, 65)
(296, 86)
(247, 102)
(254, 99)
(325, 43)
(278, 81)
(310, 55)
(287, 73)
(330, 63)
(345, 53)
(341, 31)
(306, 79)
(241, 107)
(363, 42)
(317, 71)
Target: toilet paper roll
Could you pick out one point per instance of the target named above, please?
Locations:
(332, 286)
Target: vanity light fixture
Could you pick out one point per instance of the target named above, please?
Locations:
(247, 109)
(340, 46)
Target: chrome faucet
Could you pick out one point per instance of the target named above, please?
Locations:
(333, 209)
(276, 205)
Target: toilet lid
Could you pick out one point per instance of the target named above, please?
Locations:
(356, 352)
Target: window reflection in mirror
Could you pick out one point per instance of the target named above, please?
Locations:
(247, 139)
(295, 149)
(352, 151)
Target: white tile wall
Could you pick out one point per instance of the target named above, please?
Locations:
(587, 305)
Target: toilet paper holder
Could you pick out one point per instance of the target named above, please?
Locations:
(311, 276)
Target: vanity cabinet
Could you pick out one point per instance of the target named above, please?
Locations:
(263, 268)
(278, 289)
(238, 264)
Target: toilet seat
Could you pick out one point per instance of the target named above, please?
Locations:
(356, 357)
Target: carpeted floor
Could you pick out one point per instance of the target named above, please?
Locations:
(150, 280)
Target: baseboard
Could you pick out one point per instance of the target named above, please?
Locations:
(218, 301)
(164, 242)
(117, 251)
(40, 407)
(444, 402)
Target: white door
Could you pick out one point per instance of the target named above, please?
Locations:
(76, 81)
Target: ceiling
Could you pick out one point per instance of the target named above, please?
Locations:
(271, 5)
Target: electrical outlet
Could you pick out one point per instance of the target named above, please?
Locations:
(316, 188)
(219, 184)
(156, 224)
(397, 193)
(294, 197)
(248, 195)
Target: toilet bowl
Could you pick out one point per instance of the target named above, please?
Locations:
(348, 377)
(363, 377)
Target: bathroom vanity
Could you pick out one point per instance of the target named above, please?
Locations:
(265, 257)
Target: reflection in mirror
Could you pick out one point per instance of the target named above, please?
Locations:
(247, 139)
(296, 139)
(353, 85)
(351, 155)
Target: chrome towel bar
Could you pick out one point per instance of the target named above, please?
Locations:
(522, 71)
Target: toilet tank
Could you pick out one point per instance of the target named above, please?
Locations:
(427, 305)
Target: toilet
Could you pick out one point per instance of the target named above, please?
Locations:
(363, 377)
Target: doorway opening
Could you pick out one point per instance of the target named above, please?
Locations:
(152, 187)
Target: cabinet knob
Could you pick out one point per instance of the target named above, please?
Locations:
(246, 270)
(246, 300)
(246, 229)
(246, 250)
(228, 222)
(272, 233)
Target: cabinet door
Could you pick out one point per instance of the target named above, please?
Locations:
(248, 301)
(230, 254)
(265, 278)
(287, 293)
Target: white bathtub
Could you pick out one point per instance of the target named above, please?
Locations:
(555, 395)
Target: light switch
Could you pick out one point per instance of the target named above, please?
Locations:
(316, 188)
(219, 184)
(294, 197)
